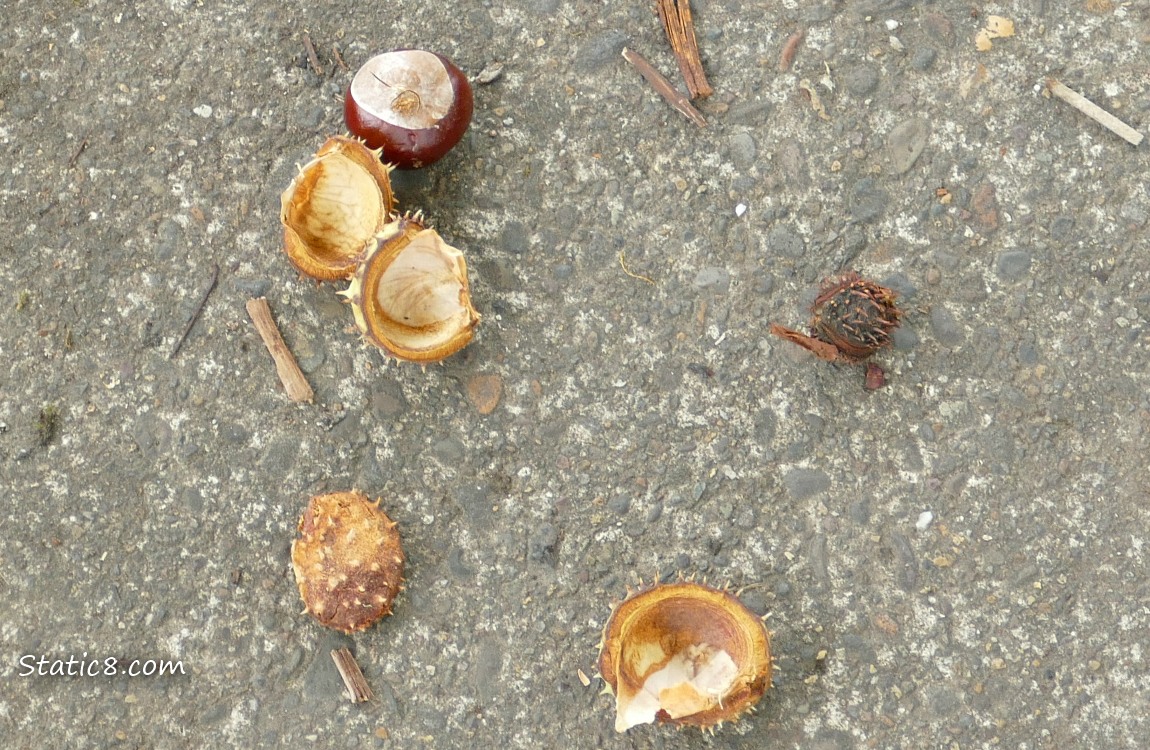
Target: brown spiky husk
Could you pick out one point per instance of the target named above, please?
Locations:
(856, 315)
(348, 561)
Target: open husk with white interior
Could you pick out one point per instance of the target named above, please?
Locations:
(336, 204)
(684, 653)
(410, 294)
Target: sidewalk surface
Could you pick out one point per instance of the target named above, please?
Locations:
(956, 560)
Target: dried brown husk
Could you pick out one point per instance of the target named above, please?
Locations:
(852, 318)
(410, 294)
(684, 653)
(336, 204)
(855, 314)
(348, 561)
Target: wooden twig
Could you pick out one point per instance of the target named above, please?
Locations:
(629, 272)
(1093, 111)
(358, 690)
(820, 349)
(338, 57)
(676, 18)
(660, 83)
(790, 49)
(76, 154)
(215, 275)
(294, 382)
(312, 57)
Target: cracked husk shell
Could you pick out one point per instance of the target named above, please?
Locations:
(334, 206)
(684, 653)
(410, 295)
(348, 561)
(855, 314)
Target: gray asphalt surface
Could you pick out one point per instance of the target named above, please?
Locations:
(645, 426)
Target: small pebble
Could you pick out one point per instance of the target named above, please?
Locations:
(904, 338)
(203, 110)
(802, 483)
(619, 504)
(782, 241)
(923, 58)
(490, 74)
(902, 285)
(862, 80)
(542, 542)
(1013, 264)
(252, 287)
(984, 207)
(867, 200)
(743, 150)
(924, 520)
(713, 277)
(906, 142)
(309, 353)
(749, 113)
(310, 117)
(484, 392)
(945, 327)
(740, 209)
(1062, 227)
(515, 238)
(600, 50)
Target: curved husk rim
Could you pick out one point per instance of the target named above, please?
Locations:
(420, 277)
(334, 206)
(698, 613)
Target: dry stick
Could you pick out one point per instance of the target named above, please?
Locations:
(790, 49)
(353, 679)
(676, 18)
(1093, 111)
(338, 57)
(79, 150)
(196, 312)
(660, 83)
(291, 376)
(623, 263)
(311, 55)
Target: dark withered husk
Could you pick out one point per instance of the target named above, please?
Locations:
(852, 318)
(857, 316)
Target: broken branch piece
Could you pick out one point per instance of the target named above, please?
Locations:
(676, 18)
(212, 279)
(1093, 111)
(358, 691)
(666, 90)
(290, 375)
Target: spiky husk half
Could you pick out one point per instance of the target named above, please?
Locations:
(410, 294)
(334, 206)
(684, 653)
(347, 560)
